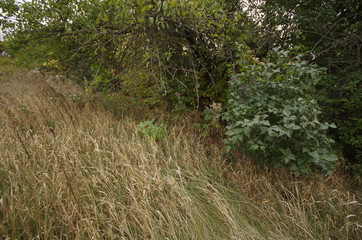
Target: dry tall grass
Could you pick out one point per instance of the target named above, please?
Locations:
(74, 171)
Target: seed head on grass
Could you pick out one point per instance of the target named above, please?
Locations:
(77, 172)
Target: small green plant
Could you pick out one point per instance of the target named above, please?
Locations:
(212, 116)
(151, 130)
(273, 116)
(24, 110)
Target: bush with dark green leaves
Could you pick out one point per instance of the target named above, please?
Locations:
(273, 116)
(332, 32)
(340, 97)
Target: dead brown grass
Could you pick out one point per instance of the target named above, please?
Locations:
(75, 171)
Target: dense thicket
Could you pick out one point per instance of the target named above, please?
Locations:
(273, 115)
(185, 51)
(332, 32)
(180, 49)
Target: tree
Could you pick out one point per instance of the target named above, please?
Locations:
(185, 46)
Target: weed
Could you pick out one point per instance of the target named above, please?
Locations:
(149, 129)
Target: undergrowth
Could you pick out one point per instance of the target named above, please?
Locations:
(72, 170)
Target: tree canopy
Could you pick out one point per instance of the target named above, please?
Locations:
(173, 41)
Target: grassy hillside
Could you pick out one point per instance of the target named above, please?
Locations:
(69, 169)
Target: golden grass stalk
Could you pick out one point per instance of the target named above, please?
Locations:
(76, 172)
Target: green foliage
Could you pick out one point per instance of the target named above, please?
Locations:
(2, 47)
(8, 66)
(210, 125)
(212, 114)
(273, 115)
(341, 100)
(8, 9)
(151, 130)
(182, 51)
(32, 54)
(212, 117)
(185, 46)
(332, 32)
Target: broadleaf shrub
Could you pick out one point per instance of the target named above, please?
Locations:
(151, 130)
(273, 116)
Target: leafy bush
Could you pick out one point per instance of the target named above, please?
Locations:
(149, 129)
(340, 97)
(272, 115)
